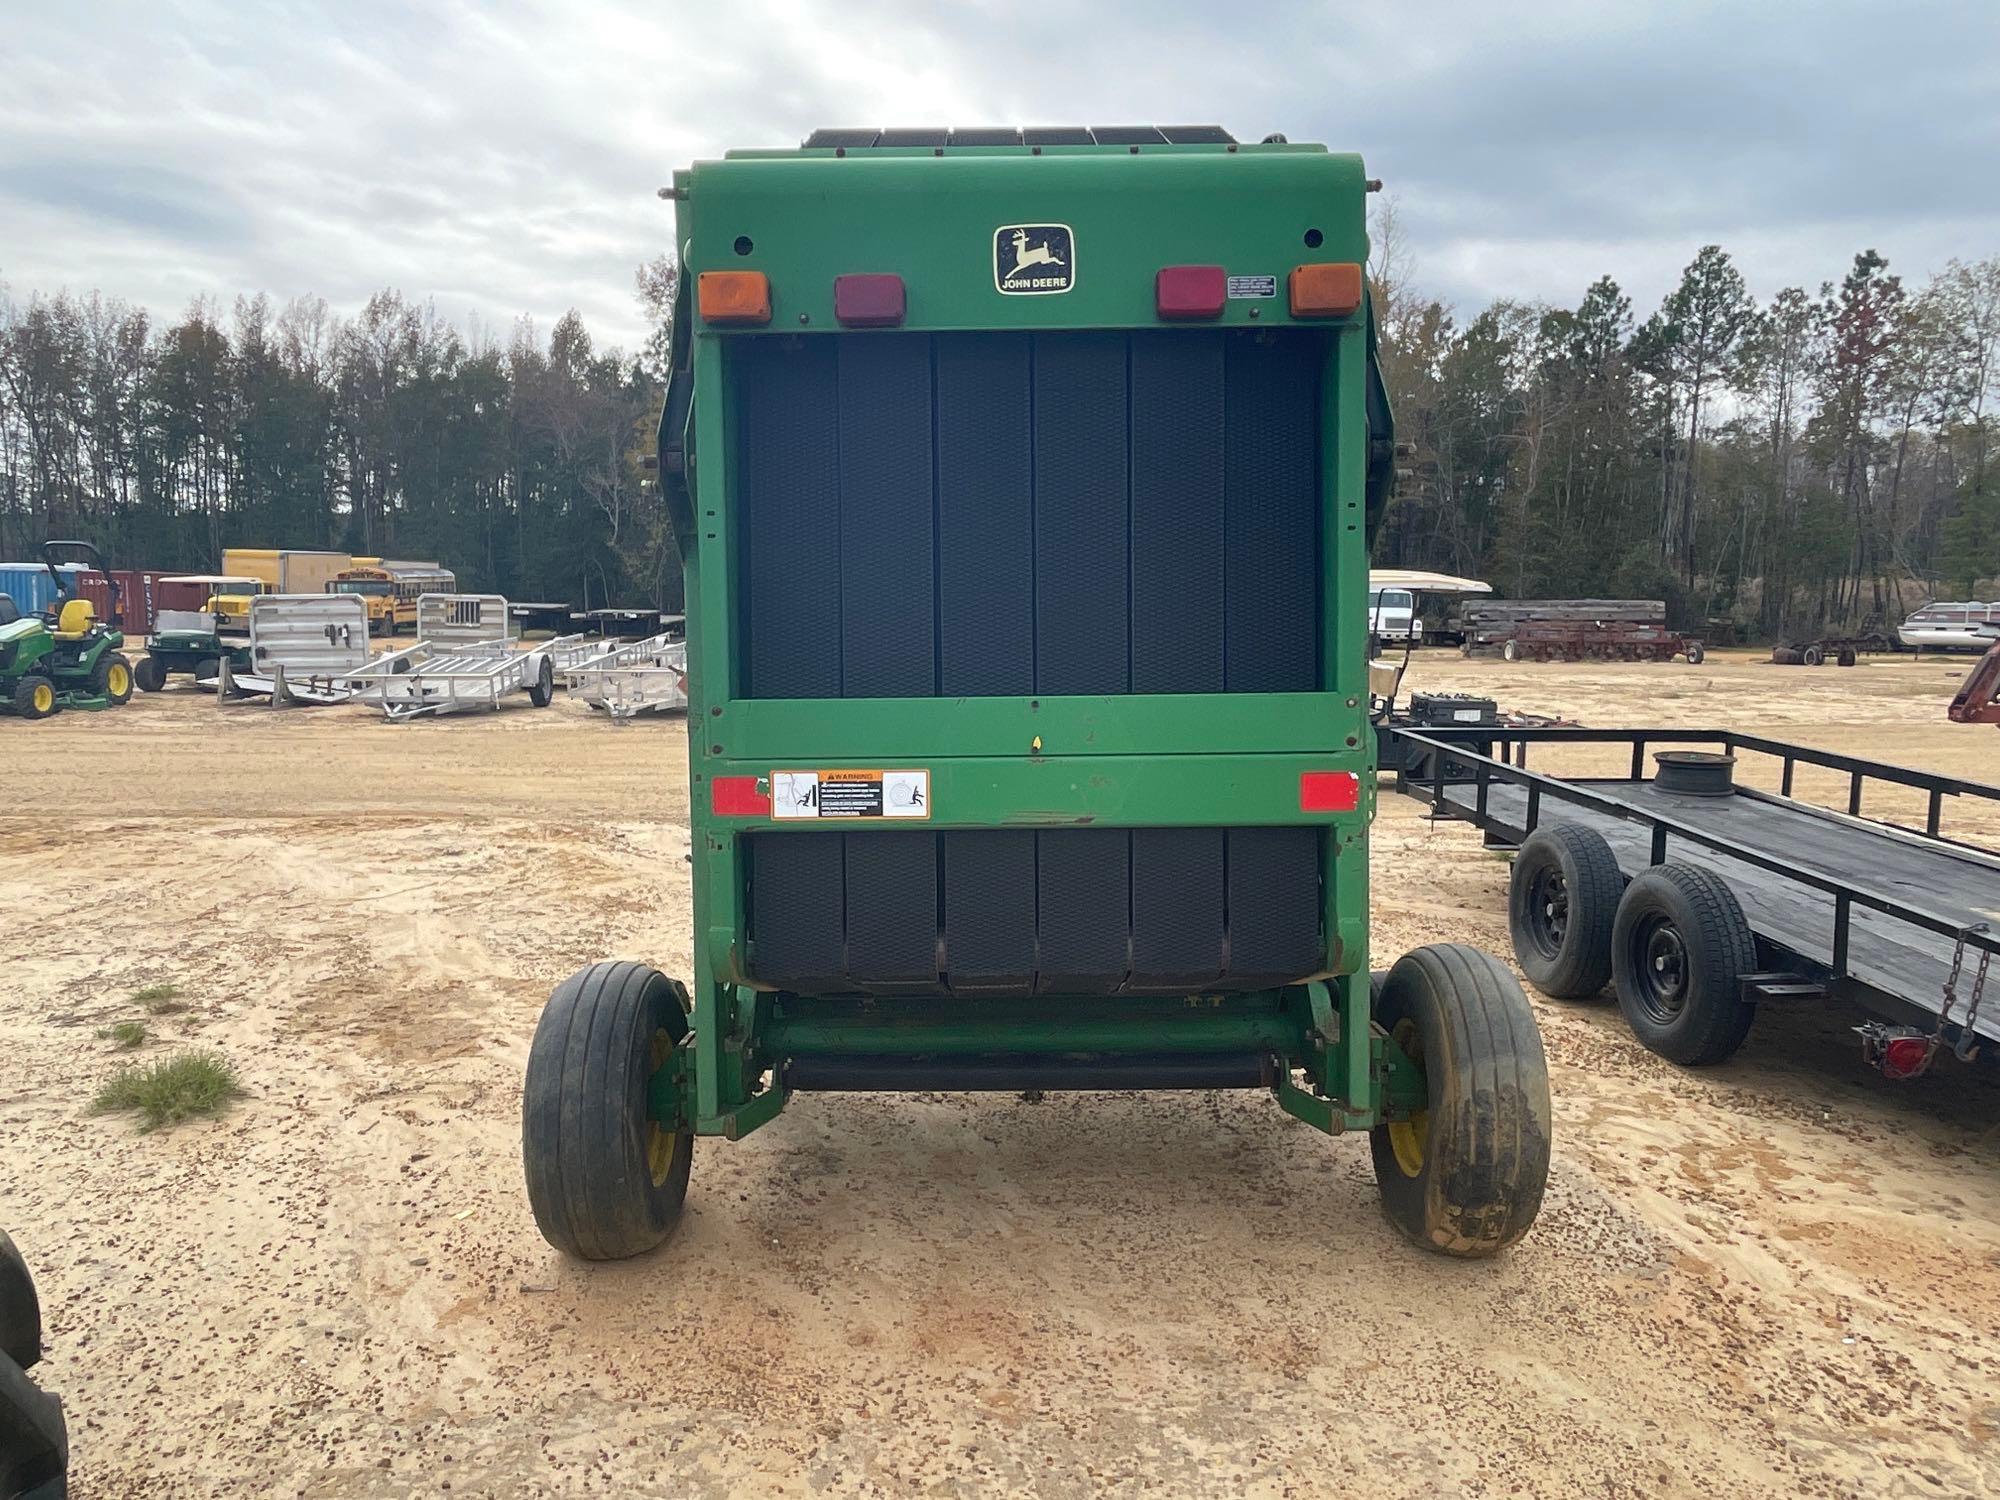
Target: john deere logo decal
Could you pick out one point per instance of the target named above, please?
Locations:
(1034, 260)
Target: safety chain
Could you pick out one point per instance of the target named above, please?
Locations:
(1968, 1040)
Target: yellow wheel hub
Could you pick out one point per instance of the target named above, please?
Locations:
(660, 1141)
(45, 698)
(118, 680)
(1408, 1138)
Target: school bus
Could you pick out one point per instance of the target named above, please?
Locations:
(392, 589)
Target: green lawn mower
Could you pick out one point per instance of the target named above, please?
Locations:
(66, 658)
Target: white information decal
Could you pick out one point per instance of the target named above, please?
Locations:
(850, 794)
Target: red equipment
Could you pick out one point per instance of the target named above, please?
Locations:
(1978, 700)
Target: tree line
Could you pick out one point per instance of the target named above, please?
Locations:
(1818, 461)
(390, 433)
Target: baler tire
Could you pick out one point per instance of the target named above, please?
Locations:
(1679, 951)
(150, 674)
(604, 1180)
(543, 691)
(1465, 1177)
(1562, 900)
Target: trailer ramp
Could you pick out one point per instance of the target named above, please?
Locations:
(647, 676)
(304, 649)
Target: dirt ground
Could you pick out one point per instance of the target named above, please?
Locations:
(1774, 1278)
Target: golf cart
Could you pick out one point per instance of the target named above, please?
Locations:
(191, 641)
(67, 657)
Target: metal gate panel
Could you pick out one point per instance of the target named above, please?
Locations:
(309, 635)
(447, 620)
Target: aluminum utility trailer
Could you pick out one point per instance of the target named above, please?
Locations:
(645, 676)
(463, 658)
(1702, 898)
(304, 649)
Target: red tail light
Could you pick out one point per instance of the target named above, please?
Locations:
(868, 301)
(1190, 291)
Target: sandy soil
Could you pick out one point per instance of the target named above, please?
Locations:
(1775, 1278)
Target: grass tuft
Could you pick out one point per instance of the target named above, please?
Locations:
(126, 1033)
(159, 999)
(171, 1090)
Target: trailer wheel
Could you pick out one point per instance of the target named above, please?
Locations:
(1848, 657)
(1561, 902)
(1679, 951)
(150, 674)
(542, 691)
(1812, 656)
(605, 1179)
(1695, 654)
(35, 697)
(1510, 651)
(1464, 1177)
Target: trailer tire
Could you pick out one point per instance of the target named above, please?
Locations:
(1465, 1177)
(1695, 654)
(1562, 900)
(605, 1180)
(1812, 656)
(1847, 657)
(150, 674)
(1510, 650)
(1679, 951)
(542, 692)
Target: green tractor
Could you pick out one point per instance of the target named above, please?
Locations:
(66, 658)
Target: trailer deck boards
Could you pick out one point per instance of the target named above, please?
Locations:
(1802, 872)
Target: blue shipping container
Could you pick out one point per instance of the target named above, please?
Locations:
(29, 585)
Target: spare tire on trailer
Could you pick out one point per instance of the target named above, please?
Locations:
(1679, 951)
(1562, 899)
(1463, 1176)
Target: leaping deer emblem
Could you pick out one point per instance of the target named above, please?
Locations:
(1026, 256)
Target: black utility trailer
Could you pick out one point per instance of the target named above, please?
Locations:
(1702, 898)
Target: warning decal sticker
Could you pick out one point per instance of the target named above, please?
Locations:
(850, 794)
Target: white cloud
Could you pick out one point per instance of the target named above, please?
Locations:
(501, 158)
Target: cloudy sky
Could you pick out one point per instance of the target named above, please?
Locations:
(501, 157)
